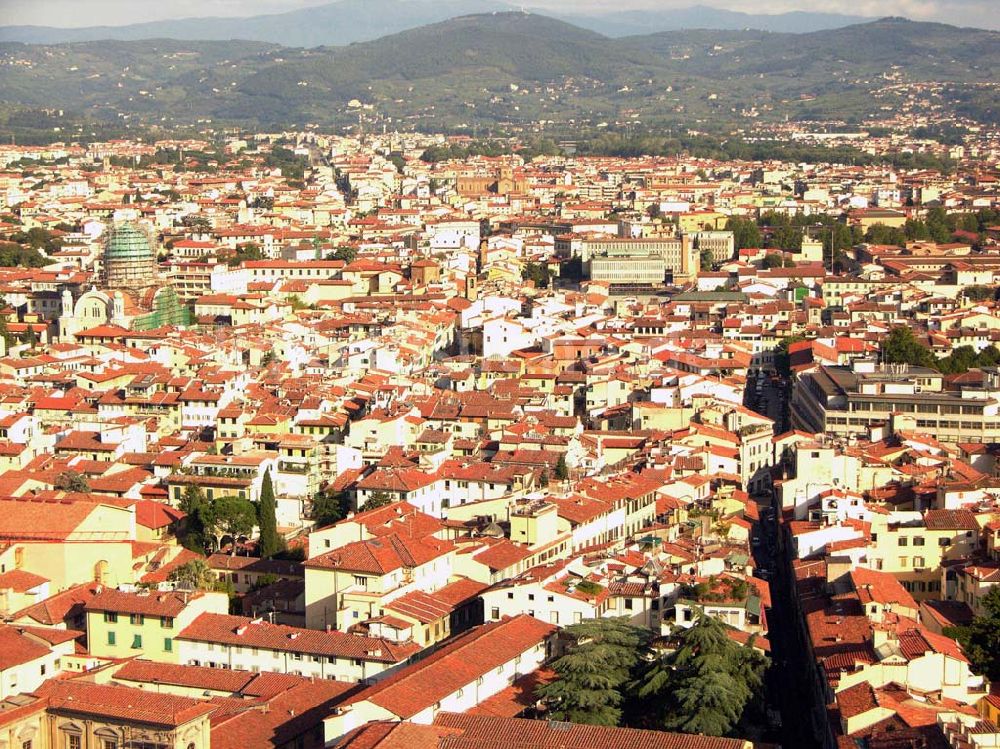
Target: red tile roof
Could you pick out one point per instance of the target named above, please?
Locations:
(482, 732)
(245, 632)
(122, 703)
(456, 665)
(150, 603)
(381, 555)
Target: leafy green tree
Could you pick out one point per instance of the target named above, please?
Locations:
(195, 573)
(979, 293)
(938, 225)
(196, 222)
(347, 254)
(746, 233)
(964, 358)
(787, 238)
(593, 673)
(983, 643)
(536, 272)
(378, 499)
(194, 530)
(14, 255)
(902, 347)
(705, 682)
(249, 251)
(397, 160)
(773, 260)
(328, 508)
(886, 235)
(916, 229)
(706, 259)
(270, 541)
(72, 481)
(233, 517)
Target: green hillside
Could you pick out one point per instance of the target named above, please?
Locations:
(509, 69)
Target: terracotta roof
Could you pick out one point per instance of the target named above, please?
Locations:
(150, 603)
(381, 555)
(57, 608)
(122, 703)
(16, 648)
(484, 732)
(255, 633)
(456, 664)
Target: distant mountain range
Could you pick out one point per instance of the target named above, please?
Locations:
(349, 21)
(509, 70)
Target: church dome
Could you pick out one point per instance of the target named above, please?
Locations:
(129, 258)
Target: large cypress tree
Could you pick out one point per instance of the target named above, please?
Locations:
(270, 541)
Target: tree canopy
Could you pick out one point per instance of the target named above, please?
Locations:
(195, 573)
(594, 672)
(328, 508)
(704, 682)
(901, 346)
(982, 640)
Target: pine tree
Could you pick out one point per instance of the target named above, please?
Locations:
(270, 541)
(594, 670)
(705, 683)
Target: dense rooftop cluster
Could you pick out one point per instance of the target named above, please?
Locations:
(329, 444)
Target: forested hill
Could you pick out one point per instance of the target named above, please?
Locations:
(516, 69)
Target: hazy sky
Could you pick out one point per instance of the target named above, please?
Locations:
(115, 12)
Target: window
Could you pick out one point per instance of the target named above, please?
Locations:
(109, 744)
(111, 638)
(42, 670)
(531, 596)
(903, 541)
(137, 619)
(495, 612)
(918, 541)
(136, 642)
(110, 616)
(26, 744)
(166, 622)
(168, 645)
(73, 741)
(510, 596)
(628, 604)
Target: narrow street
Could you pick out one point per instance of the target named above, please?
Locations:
(788, 679)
